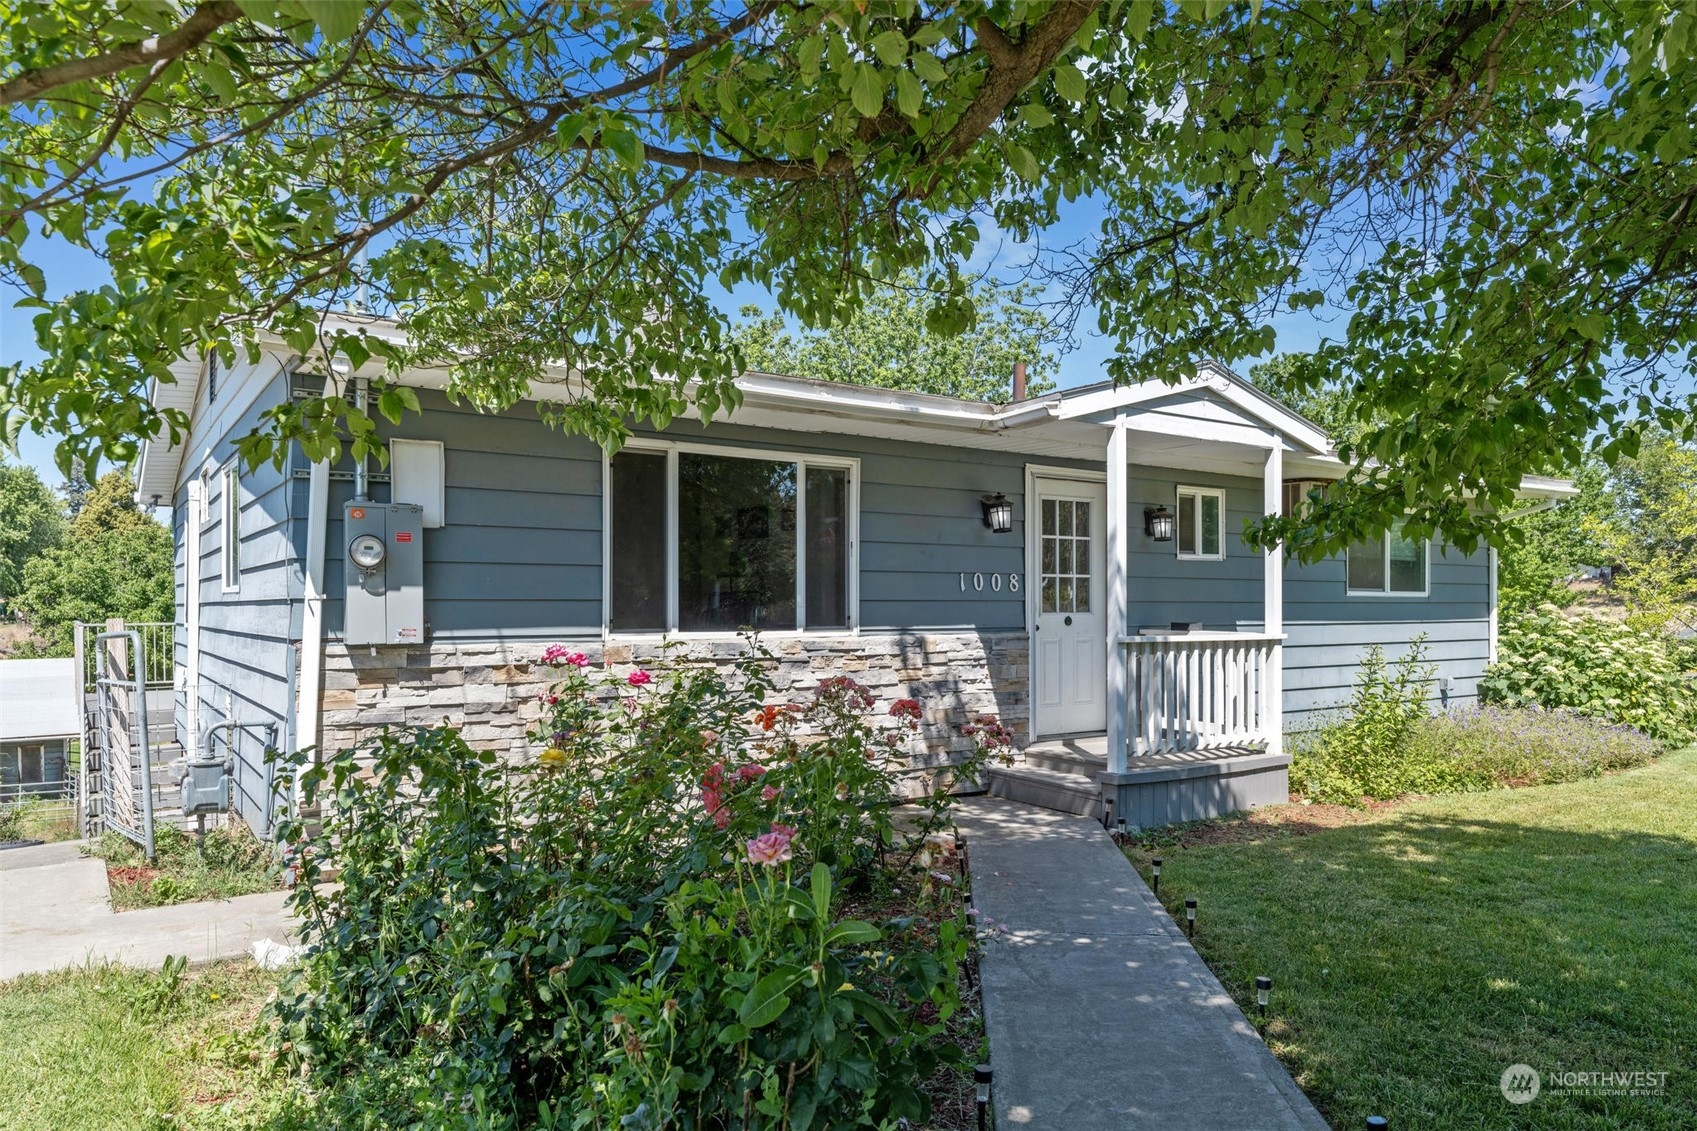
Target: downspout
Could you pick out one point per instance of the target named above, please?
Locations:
(362, 476)
(309, 702)
(191, 618)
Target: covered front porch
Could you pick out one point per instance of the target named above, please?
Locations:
(1190, 636)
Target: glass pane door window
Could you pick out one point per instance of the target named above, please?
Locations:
(704, 542)
(1064, 561)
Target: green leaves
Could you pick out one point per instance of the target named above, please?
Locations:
(867, 91)
(766, 1002)
(337, 19)
(1069, 83)
(530, 191)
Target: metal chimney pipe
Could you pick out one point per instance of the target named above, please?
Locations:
(1018, 381)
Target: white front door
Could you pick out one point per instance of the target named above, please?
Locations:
(1069, 647)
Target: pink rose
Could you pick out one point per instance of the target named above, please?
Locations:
(770, 793)
(749, 772)
(771, 848)
(575, 659)
(639, 678)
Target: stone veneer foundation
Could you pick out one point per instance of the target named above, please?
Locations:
(491, 691)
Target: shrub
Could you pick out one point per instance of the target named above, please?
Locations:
(1487, 747)
(647, 926)
(1596, 667)
(1363, 753)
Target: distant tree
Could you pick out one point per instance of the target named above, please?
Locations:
(1545, 550)
(109, 507)
(30, 523)
(117, 562)
(75, 490)
(1651, 533)
(1296, 380)
(890, 343)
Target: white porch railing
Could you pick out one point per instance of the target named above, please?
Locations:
(1201, 691)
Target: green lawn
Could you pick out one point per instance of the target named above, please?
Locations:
(1418, 953)
(117, 1049)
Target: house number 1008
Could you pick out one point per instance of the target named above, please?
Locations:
(977, 582)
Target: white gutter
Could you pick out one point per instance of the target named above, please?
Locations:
(309, 696)
(1535, 508)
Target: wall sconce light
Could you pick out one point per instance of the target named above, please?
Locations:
(998, 513)
(1158, 523)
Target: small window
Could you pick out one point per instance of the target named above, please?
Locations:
(1201, 518)
(1296, 494)
(1390, 564)
(230, 531)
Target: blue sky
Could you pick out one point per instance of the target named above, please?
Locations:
(69, 268)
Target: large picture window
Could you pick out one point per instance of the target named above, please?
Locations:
(1389, 565)
(709, 542)
(1201, 518)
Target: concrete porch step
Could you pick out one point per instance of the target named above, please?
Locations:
(1060, 790)
(1066, 760)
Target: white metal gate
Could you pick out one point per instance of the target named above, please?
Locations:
(116, 746)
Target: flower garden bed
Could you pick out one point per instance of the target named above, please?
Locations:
(691, 909)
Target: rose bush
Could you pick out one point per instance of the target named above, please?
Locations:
(643, 926)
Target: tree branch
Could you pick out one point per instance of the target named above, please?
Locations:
(206, 19)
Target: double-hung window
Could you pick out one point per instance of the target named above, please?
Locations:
(1201, 519)
(1390, 565)
(716, 541)
(230, 534)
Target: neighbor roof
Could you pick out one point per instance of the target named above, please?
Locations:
(38, 699)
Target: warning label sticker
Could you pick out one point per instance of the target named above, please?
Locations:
(403, 536)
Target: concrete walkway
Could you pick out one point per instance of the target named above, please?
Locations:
(54, 913)
(1099, 1012)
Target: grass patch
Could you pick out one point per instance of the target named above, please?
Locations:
(231, 861)
(1418, 951)
(114, 1047)
(33, 819)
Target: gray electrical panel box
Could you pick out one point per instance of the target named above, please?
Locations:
(383, 558)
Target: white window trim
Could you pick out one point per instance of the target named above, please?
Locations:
(803, 460)
(229, 529)
(1179, 492)
(1425, 589)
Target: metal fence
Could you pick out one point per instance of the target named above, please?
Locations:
(158, 651)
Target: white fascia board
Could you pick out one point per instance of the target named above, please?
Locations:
(1108, 400)
(159, 462)
(1329, 466)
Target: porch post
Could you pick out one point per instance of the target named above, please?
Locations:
(1273, 595)
(1118, 561)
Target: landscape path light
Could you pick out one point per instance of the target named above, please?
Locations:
(1155, 866)
(1190, 918)
(1263, 990)
(1377, 1123)
(981, 1085)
